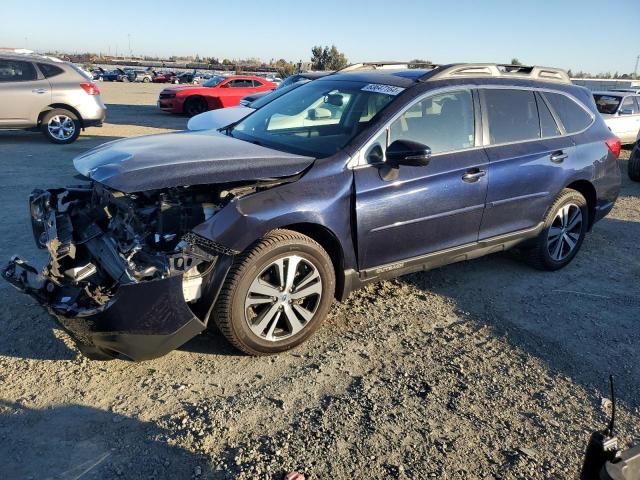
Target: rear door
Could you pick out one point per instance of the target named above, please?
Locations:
(527, 149)
(427, 208)
(24, 93)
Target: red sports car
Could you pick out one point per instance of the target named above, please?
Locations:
(164, 77)
(217, 92)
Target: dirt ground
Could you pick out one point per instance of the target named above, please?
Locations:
(483, 369)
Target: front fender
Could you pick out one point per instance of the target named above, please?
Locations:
(321, 197)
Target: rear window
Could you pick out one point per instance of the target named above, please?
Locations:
(573, 116)
(16, 71)
(607, 104)
(513, 115)
(49, 70)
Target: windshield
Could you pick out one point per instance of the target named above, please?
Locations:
(607, 104)
(316, 119)
(213, 81)
(277, 93)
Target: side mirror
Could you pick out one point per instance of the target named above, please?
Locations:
(408, 152)
(626, 111)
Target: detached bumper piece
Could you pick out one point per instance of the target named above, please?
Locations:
(142, 321)
(115, 296)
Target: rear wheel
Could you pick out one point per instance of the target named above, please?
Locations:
(634, 163)
(276, 295)
(195, 105)
(60, 126)
(565, 226)
(146, 80)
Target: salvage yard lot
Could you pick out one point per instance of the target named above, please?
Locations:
(481, 369)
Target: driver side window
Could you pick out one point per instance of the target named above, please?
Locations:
(444, 122)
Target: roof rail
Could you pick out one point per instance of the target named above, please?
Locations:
(547, 74)
(374, 66)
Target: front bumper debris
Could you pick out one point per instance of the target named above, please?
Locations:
(140, 305)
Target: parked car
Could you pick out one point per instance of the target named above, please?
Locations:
(136, 75)
(116, 75)
(164, 77)
(188, 77)
(226, 116)
(292, 79)
(217, 92)
(48, 95)
(97, 73)
(621, 112)
(350, 179)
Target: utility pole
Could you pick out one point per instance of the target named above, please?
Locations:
(129, 38)
(635, 70)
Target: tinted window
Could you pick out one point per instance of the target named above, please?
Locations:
(16, 71)
(442, 122)
(607, 104)
(241, 83)
(548, 126)
(628, 105)
(573, 116)
(49, 70)
(513, 115)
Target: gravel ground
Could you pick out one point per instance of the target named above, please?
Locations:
(484, 369)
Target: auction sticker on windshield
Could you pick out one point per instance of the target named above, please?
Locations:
(379, 88)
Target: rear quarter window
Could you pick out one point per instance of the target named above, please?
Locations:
(49, 70)
(573, 116)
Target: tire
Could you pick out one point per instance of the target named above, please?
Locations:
(146, 80)
(195, 105)
(260, 324)
(125, 79)
(561, 237)
(634, 164)
(60, 126)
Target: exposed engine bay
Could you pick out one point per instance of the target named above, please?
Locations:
(99, 239)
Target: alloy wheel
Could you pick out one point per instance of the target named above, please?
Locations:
(564, 233)
(61, 127)
(283, 298)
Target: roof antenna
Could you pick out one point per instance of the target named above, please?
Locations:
(613, 407)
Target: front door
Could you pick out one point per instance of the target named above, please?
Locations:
(428, 208)
(22, 94)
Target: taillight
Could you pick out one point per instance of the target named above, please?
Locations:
(614, 146)
(90, 88)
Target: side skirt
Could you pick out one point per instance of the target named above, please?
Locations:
(356, 279)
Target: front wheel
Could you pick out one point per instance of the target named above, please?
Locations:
(195, 105)
(276, 294)
(634, 163)
(565, 226)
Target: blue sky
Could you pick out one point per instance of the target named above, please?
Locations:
(590, 35)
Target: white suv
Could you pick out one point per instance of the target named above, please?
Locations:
(47, 94)
(621, 113)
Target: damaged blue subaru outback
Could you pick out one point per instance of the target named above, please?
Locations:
(358, 176)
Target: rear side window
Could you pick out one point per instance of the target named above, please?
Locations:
(512, 115)
(548, 126)
(49, 70)
(573, 116)
(16, 71)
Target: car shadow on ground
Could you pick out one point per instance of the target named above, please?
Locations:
(580, 321)
(76, 441)
(144, 116)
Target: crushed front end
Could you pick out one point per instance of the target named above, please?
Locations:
(125, 275)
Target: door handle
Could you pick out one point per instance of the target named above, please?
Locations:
(39, 90)
(558, 157)
(473, 175)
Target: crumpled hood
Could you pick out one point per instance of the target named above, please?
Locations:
(184, 158)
